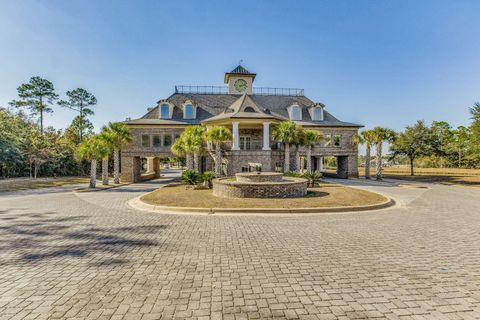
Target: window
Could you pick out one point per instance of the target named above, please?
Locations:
(249, 109)
(156, 141)
(328, 140)
(295, 113)
(145, 140)
(167, 140)
(317, 113)
(245, 143)
(336, 140)
(188, 112)
(165, 111)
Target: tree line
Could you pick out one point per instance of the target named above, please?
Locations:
(27, 148)
(436, 146)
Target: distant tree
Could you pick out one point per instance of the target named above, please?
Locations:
(80, 129)
(380, 135)
(460, 144)
(415, 141)
(442, 135)
(218, 135)
(36, 95)
(311, 138)
(80, 100)
(286, 132)
(475, 131)
(119, 135)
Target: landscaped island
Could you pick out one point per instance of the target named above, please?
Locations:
(325, 195)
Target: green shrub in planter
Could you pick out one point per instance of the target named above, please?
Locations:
(189, 177)
(312, 177)
(292, 174)
(207, 178)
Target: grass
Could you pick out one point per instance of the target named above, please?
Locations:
(465, 177)
(19, 184)
(327, 195)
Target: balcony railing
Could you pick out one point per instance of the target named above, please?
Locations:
(224, 90)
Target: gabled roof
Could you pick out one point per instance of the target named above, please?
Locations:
(244, 107)
(239, 70)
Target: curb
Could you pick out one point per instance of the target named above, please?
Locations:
(138, 204)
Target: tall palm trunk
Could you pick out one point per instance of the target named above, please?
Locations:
(378, 174)
(309, 159)
(367, 161)
(218, 161)
(189, 158)
(105, 171)
(196, 161)
(287, 158)
(297, 158)
(116, 166)
(93, 174)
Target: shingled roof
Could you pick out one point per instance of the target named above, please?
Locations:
(211, 105)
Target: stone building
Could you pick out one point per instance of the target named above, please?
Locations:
(249, 112)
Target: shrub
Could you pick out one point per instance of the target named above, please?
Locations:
(207, 178)
(190, 177)
(312, 177)
(292, 174)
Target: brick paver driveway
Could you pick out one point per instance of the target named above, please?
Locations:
(66, 255)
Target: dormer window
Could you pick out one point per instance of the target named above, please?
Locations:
(316, 112)
(295, 112)
(189, 110)
(249, 109)
(166, 111)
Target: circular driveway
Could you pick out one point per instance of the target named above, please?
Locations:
(90, 256)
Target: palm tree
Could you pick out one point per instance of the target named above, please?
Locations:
(311, 138)
(119, 135)
(218, 135)
(193, 140)
(365, 137)
(286, 132)
(178, 148)
(299, 142)
(380, 135)
(108, 141)
(93, 149)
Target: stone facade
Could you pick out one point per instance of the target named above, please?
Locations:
(251, 116)
(290, 188)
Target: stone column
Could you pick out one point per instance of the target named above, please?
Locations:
(150, 164)
(236, 137)
(130, 169)
(156, 166)
(320, 163)
(266, 136)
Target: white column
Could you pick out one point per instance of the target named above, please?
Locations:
(320, 163)
(266, 136)
(150, 164)
(236, 137)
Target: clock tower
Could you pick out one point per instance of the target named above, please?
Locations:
(239, 81)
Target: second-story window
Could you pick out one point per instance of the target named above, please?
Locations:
(145, 140)
(167, 140)
(188, 112)
(165, 111)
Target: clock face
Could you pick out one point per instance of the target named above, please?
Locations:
(240, 85)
